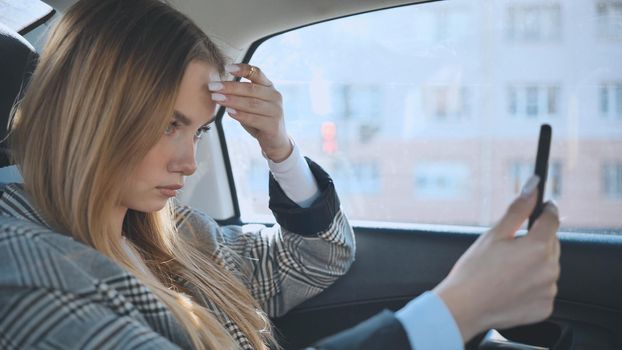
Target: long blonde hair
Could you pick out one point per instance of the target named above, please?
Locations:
(99, 100)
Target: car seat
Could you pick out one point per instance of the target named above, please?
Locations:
(18, 59)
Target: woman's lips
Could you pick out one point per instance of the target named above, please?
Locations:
(170, 190)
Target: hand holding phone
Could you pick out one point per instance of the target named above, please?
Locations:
(541, 169)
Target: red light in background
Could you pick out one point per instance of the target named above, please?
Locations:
(329, 137)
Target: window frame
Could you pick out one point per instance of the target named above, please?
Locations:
(236, 218)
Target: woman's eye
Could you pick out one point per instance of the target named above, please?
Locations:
(202, 130)
(170, 129)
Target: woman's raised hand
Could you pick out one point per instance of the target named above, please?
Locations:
(258, 106)
(502, 281)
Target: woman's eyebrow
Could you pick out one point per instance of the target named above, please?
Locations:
(182, 118)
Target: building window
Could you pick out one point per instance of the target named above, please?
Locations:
(441, 180)
(357, 177)
(361, 102)
(360, 107)
(440, 24)
(513, 100)
(520, 171)
(612, 180)
(610, 100)
(534, 22)
(609, 19)
(446, 103)
(533, 101)
(551, 95)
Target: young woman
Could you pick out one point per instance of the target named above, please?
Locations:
(95, 252)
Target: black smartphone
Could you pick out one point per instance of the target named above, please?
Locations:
(541, 169)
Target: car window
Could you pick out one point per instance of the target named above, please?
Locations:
(430, 113)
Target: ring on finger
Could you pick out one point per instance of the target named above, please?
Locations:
(251, 73)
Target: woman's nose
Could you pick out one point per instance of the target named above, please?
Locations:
(185, 162)
(189, 167)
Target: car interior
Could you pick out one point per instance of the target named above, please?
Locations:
(398, 258)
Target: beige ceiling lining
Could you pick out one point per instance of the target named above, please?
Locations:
(235, 24)
(238, 23)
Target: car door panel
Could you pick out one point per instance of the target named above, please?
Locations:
(395, 265)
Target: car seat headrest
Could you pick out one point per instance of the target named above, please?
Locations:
(17, 62)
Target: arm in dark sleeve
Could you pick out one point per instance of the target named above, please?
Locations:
(294, 260)
(381, 332)
(306, 221)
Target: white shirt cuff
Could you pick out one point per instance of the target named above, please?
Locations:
(295, 178)
(429, 324)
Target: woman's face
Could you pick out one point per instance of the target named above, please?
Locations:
(162, 171)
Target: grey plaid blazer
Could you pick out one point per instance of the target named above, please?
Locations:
(57, 293)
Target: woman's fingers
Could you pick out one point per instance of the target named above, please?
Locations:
(248, 104)
(257, 105)
(518, 211)
(257, 97)
(251, 120)
(247, 71)
(546, 226)
(506, 282)
(245, 89)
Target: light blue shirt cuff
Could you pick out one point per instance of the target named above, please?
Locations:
(295, 178)
(429, 324)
